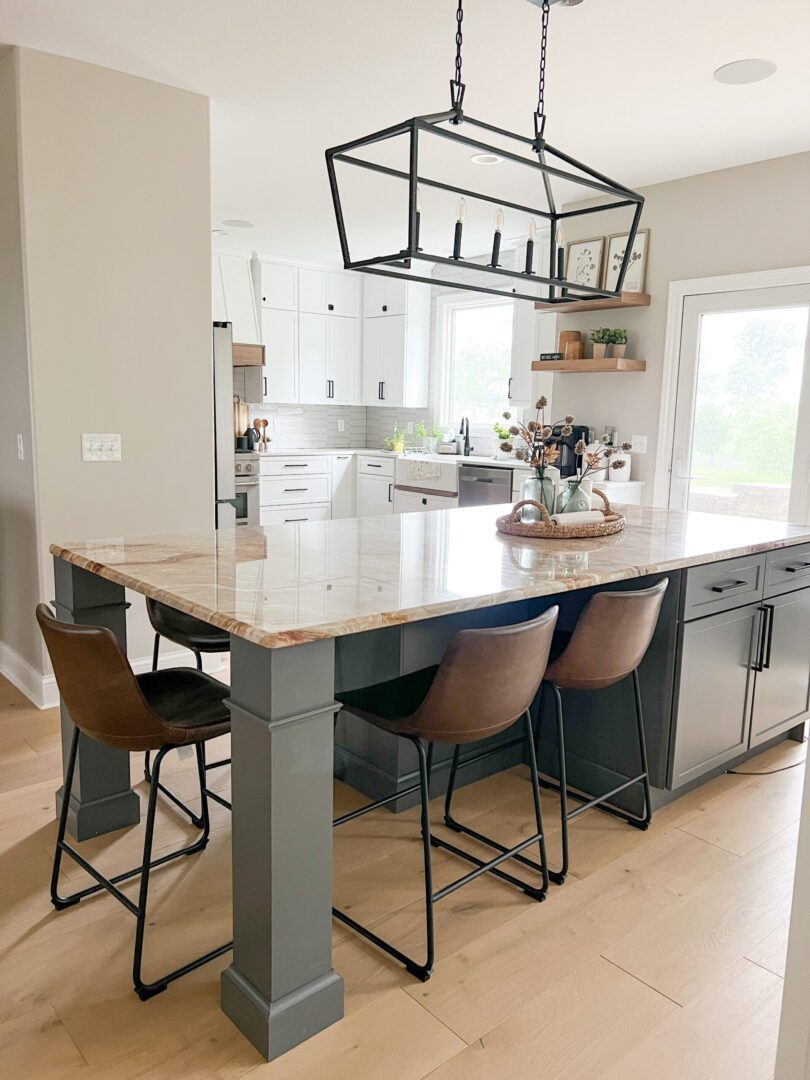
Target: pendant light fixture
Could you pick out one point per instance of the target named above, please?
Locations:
(433, 163)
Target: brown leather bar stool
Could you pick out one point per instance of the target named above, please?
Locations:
(607, 645)
(157, 711)
(200, 637)
(485, 683)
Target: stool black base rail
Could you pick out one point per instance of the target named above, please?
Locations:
(423, 970)
(143, 989)
(195, 819)
(599, 802)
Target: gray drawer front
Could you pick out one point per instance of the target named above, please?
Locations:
(721, 586)
(787, 569)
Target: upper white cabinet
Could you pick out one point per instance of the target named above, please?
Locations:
(396, 344)
(384, 296)
(278, 285)
(280, 340)
(328, 360)
(234, 299)
(326, 292)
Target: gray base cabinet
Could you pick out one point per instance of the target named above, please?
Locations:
(782, 690)
(743, 672)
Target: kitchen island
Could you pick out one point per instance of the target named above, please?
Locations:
(321, 606)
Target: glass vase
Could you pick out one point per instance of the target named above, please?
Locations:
(573, 500)
(542, 489)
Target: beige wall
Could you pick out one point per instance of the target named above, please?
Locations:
(754, 217)
(116, 232)
(18, 535)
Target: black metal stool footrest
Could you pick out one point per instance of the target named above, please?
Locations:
(420, 971)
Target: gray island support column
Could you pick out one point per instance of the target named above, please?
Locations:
(280, 988)
(102, 799)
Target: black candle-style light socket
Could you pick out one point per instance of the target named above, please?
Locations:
(457, 240)
(496, 247)
(529, 256)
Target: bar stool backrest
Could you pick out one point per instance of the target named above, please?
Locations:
(610, 638)
(487, 679)
(98, 686)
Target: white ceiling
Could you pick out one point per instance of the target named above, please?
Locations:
(629, 86)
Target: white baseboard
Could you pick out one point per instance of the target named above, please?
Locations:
(41, 689)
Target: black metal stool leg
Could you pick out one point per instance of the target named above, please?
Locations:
(559, 876)
(58, 901)
(199, 659)
(156, 653)
(642, 746)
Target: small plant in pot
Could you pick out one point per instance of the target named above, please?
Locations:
(395, 441)
(618, 339)
(601, 338)
(429, 441)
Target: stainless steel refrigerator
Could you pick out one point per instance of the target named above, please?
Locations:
(224, 483)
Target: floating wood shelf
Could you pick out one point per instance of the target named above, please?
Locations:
(626, 300)
(609, 363)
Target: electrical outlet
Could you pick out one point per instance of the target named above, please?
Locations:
(20, 448)
(101, 447)
(341, 425)
(409, 428)
(638, 444)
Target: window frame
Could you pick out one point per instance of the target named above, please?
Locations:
(446, 308)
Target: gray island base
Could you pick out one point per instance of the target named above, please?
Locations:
(319, 606)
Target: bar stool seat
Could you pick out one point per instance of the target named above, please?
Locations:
(485, 683)
(158, 711)
(185, 630)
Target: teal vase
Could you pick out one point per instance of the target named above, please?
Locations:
(573, 500)
(542, 490)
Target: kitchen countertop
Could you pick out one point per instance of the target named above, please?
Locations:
(287, 584)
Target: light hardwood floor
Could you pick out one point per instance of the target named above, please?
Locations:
(663, 954)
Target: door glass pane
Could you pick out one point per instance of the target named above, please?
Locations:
(749, 378)
(481, 362)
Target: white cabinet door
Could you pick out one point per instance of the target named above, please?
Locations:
(313, 335)
(240, 299)
(343, 360)
(313, 287)
(375, 495)
(343, 294)
(278, 285)
(524, 323)
(280, 340)
(396, 297)
(394, 355)
(384, 296)
(374, 346)
(343, 478)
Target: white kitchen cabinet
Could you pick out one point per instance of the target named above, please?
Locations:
(375, 495)
(384, 296)
(343, 485)
(328, 360)
(532, 333)
(406, 502)
(328, 292)
(288, 515)
(280, 340)
(278, 285)
(239, 296)
(396, 349)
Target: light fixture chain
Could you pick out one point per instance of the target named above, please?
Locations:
(459, 39)
(456, 85)
(541, 90)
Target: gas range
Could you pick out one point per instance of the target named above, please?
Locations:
(246, 475)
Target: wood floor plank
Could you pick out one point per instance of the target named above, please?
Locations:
(574, 1031)
(681, 951)
(36, 1044)
(728, 1032)
(771, 952)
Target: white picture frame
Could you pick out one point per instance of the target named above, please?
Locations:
(637, 270)
(583, 261)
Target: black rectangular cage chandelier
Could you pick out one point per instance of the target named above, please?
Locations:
(540, 275)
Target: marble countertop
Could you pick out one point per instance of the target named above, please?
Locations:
(283, 585)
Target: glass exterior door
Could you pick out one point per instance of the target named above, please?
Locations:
(742, 422)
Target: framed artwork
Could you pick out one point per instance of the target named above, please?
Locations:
(637, 270)
(583, 261)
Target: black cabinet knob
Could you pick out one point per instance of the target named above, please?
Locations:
(331, 307)
(385, 307)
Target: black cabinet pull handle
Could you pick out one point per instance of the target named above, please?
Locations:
(295, 519)
(424, 502)
(799, 568)
(390, 492)
(370, 466)
(509, 389)
(302, 466)
(264, 380)
(731, 585)
(296, 489)
(382, 393)
(770, 612)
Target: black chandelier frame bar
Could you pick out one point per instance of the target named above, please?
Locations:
(400, 264)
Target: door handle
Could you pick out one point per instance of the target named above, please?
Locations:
(509, 389)
(295, 489)
(390, 492)
(286, 520)
(370, 466)
(731, 585)
(799, 568)
(305, 465)
(768, 611)
(264, 380)
(382, 392)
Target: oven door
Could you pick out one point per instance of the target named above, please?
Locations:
(247, 502)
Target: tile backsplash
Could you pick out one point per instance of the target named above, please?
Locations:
(313, 426)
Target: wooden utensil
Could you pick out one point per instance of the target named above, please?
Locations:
(265, 424)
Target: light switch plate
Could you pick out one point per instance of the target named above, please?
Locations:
(638, 444)
(20, 448)
(341, 425)
(101, 447)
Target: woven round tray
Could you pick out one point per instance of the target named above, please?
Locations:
(549, 530)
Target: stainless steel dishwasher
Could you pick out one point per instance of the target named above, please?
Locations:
(479, 485)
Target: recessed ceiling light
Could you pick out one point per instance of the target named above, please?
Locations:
(220, 232)
(486, 159)
(745, 71)
(238, 223)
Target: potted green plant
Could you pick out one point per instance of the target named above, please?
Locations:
(501, 436)
(601, 338)
(395, 441)
(430, 440)
(618, 339)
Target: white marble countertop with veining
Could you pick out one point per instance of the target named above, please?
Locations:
(281, 585)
